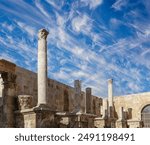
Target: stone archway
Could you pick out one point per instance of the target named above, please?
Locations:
(145, 116)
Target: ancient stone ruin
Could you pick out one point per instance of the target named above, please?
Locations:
(30, 100)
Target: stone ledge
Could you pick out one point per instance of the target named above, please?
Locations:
(25, 110)
(42, 107)
(7, 66)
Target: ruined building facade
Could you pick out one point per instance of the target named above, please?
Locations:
(32, 100)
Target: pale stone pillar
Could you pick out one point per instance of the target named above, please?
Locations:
(121, 114)
(89, 100)
(110, 92)
(42, 66)
(105, 108)
(77, 87)
(110, 98)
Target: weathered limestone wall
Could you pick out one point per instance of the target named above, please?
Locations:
(60, 97)
(133, 104)
(26, 83)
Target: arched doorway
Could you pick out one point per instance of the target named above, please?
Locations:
(145, 115)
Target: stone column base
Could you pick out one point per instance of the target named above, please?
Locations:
(78, 120)
(99, 123)
(121, 124)
(37, 117)
(134, 123)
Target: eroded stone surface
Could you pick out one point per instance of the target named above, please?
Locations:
(24, 102)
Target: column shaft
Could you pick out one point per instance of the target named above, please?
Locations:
(110, 92)
(77, 87)
(105, 108)
(42, 66)
(89, 100)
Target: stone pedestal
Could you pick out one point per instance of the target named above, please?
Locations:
(72, 120)
(45, 118)
(99, 122)
(37, 117)
(121, 124)
(134, 123)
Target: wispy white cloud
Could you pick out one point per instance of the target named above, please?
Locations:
(92, 3)
(119, 4)
(8, 57)
(9, 27)
(147, 5)
(103, 56)
(57, 4)
(24, 27)
(41, 8)
(115, 22)
(82, 24)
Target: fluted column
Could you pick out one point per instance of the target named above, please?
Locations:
(42, 66)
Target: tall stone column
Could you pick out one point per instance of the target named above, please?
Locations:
(42, 67)
(77, 87)
(89, 100)
(121, 114)
(9, 92)
(110, 98)
(110, 92)
(105, 108)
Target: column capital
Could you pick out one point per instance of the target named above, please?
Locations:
(42, 34)
(9, 79)
(110, 81)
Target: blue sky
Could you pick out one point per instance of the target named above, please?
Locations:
(90, 40)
